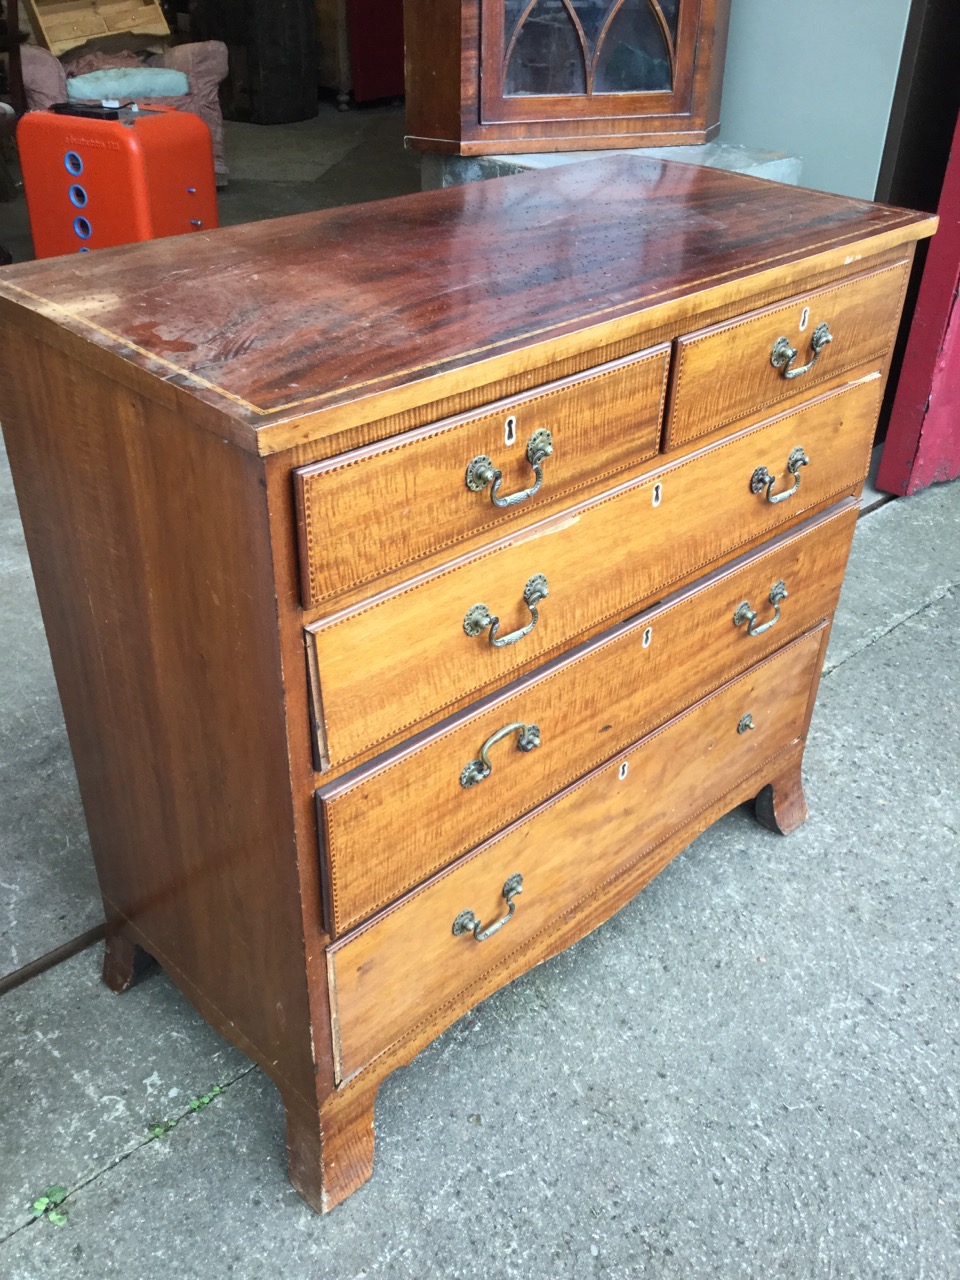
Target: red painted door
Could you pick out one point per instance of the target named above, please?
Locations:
(375, 29)
(923, 438)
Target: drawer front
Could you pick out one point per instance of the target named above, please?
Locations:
(393, 503)
(725, 372)
(552, 727)
(381, 668)
(408, 961)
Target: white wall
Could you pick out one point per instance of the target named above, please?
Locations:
(815, 79)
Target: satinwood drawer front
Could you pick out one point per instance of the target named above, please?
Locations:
(726, 372)
(394, 661)
(393, 503)
(409, 961)
(459, 783)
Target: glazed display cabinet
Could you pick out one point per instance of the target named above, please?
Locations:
(562, 75)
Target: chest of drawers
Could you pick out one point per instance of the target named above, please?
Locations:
(421, 577)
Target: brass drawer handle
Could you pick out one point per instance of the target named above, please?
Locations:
(762, 479)
(467, 922)
(745, 614)
(480, 471)
(783, 355)
(479, 617)
(528, 737)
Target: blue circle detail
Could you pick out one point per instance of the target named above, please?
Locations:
(73, 163)
(84, 248)
(82, 227)
(78, 197)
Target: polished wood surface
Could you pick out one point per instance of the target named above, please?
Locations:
(381, 668)
(391, 505)
(391, 972)
(726, 370)
(587, 705)
(165, 406)
(278, 320)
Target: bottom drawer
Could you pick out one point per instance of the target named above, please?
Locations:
(391, 973)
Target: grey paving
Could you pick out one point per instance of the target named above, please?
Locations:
(48, 890)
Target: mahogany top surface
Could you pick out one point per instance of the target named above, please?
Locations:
(274, 319)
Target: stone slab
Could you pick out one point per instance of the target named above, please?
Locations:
(85, 1072)
(449, 171)
(48, 889)
(750, 1071)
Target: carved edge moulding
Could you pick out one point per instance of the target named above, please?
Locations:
(515, 76)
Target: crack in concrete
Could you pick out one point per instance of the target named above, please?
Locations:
(874, 637)
(130, 1151)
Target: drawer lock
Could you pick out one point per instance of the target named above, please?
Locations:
(478, 617)
(783, 355)
(744, 614)
(480, 471)
(762, 479)
(528, 737)
(467, 922)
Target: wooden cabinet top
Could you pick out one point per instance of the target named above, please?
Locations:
(332, 316)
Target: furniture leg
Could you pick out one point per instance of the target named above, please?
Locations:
(330, 1148)
(123, 962)
(781, 805)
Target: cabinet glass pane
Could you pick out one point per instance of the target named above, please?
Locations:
(588, 46)
(544, 53)
(635, 53)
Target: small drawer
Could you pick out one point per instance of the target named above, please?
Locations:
(405, 656)
(395, 502)
(423, 805)
(422, 953)
(728, 371)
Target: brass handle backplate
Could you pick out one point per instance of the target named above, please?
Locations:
(783, 355)
(528, 737)
(467, 922)
(744, 614)
(762, 479)
(480, 471)
(478, 617)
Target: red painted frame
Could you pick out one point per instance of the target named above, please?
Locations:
(923, 438)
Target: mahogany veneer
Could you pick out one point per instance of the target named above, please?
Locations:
(256, 471)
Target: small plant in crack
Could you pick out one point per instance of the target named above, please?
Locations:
(50, 1205)
(160, 1128)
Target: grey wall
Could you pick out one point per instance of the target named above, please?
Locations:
(815, 79)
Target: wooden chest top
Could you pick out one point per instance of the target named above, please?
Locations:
(300, 316)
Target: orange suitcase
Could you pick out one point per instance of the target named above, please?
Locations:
(103, 175)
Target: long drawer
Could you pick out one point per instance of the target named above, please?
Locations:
(423, 953)
(399, 659)
(393, 503)
(426, 803)
(728, 371)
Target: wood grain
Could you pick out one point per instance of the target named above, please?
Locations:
(724, 372)
(407, 961)
(404, 656)
(588, 705)
(390, 505)
(272, 321)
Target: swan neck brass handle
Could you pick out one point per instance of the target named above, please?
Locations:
(478, 617)
(762, 479)
(467, 922)
(744, 614)
(480, 471)
(783, 355)
(528, 737)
